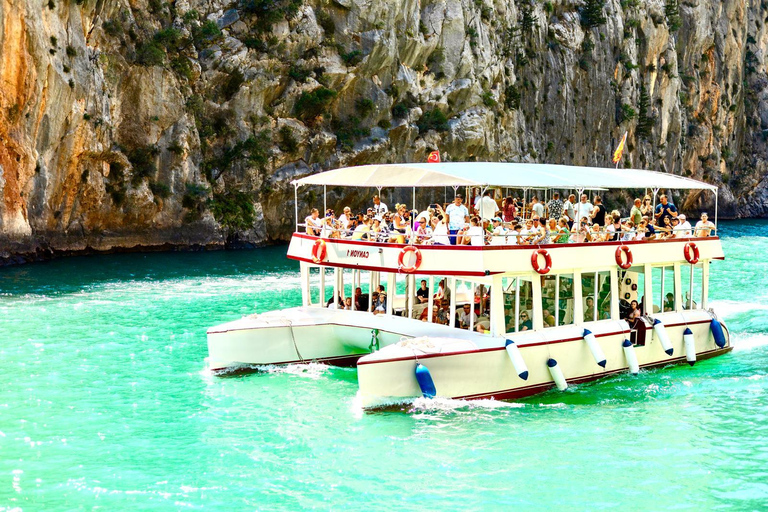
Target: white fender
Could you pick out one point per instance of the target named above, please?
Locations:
(690, 346)
(517, 359)
(629, 354)
(594, 347)
(661, 332)
(557, 375)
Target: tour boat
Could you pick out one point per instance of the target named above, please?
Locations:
(556, 313)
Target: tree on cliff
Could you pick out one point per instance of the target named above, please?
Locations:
(592, 13)
(644, 120)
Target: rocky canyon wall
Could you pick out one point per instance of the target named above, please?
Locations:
(141, 124)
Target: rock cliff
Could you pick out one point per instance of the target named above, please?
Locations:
(137, 123)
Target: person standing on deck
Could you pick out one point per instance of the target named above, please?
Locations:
(537, 208)
(487, 207)
(456, 213)
(664, 209)
(636, 215)
(569, 208)
(598, 212)
(379, 208)
(555, 207)
(584, 208)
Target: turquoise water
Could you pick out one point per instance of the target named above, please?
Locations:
(105, 404)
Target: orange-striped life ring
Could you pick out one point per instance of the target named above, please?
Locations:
(691, 253)
(620, 260)
(547, 261)
(408, 269)
(319, 251)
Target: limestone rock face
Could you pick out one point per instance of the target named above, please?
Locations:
(146, 124)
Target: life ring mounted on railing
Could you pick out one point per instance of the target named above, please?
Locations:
(691, 253)
(319, 251)
(547, 261)
(416, 264)
(623, 250)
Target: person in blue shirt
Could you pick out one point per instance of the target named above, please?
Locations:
(456, 213)
(664, 209)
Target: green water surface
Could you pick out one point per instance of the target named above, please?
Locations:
(105, 404)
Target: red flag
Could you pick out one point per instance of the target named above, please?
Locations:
(434, 157)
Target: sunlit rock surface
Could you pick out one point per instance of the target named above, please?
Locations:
(147, 125)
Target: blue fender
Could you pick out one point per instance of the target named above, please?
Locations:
(717, 333)
(424, 378)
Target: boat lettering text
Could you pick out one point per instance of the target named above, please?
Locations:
(357, 254)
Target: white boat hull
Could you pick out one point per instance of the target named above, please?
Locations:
(311, 334)
(464, 371)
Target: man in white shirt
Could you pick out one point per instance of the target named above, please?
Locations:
(684, 229)
(487, 207)
(345, 219)
(704, 227)
(466, 316)
(499, 232)
(314, 223)
(379, 208)
(537, 208)
(456, 213)
(584, 208)
(569, 208)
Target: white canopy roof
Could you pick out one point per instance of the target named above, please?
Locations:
(499, 174)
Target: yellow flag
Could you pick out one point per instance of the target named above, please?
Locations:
(619, 149)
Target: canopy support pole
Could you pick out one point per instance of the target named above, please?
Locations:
(414, 206)
(325, 205)
(655, 191)
(296, 204)
(482, 195)
(715, 213)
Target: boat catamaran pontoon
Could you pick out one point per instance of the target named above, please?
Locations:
(574, 295)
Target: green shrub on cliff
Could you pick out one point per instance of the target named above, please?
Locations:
(432, 120)
(149, 53)
(314, 103)
(672, 12)
(233, 209)
(142, 160)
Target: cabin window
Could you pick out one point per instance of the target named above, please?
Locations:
(557, 300)
(663, 292)
(691, 283)
(518, 304)
(596, 293)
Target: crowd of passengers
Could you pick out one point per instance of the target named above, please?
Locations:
(466, 315)
(511, 223)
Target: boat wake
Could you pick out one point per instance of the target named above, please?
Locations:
(308, 370)
(432, 405)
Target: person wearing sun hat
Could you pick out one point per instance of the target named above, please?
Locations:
(498, 237)
(684, 227)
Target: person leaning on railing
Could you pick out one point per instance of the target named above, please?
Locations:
(704, 227)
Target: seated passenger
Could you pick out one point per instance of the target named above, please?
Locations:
(525, 322)
(440, 231)
(474, 235)
(563, 233)
(361, 231)
(498, 237)
(314, 224)
(669, 302)
(704, 227)
(466, 315)
(444, 313)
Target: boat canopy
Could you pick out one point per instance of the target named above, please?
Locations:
(500, 174)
